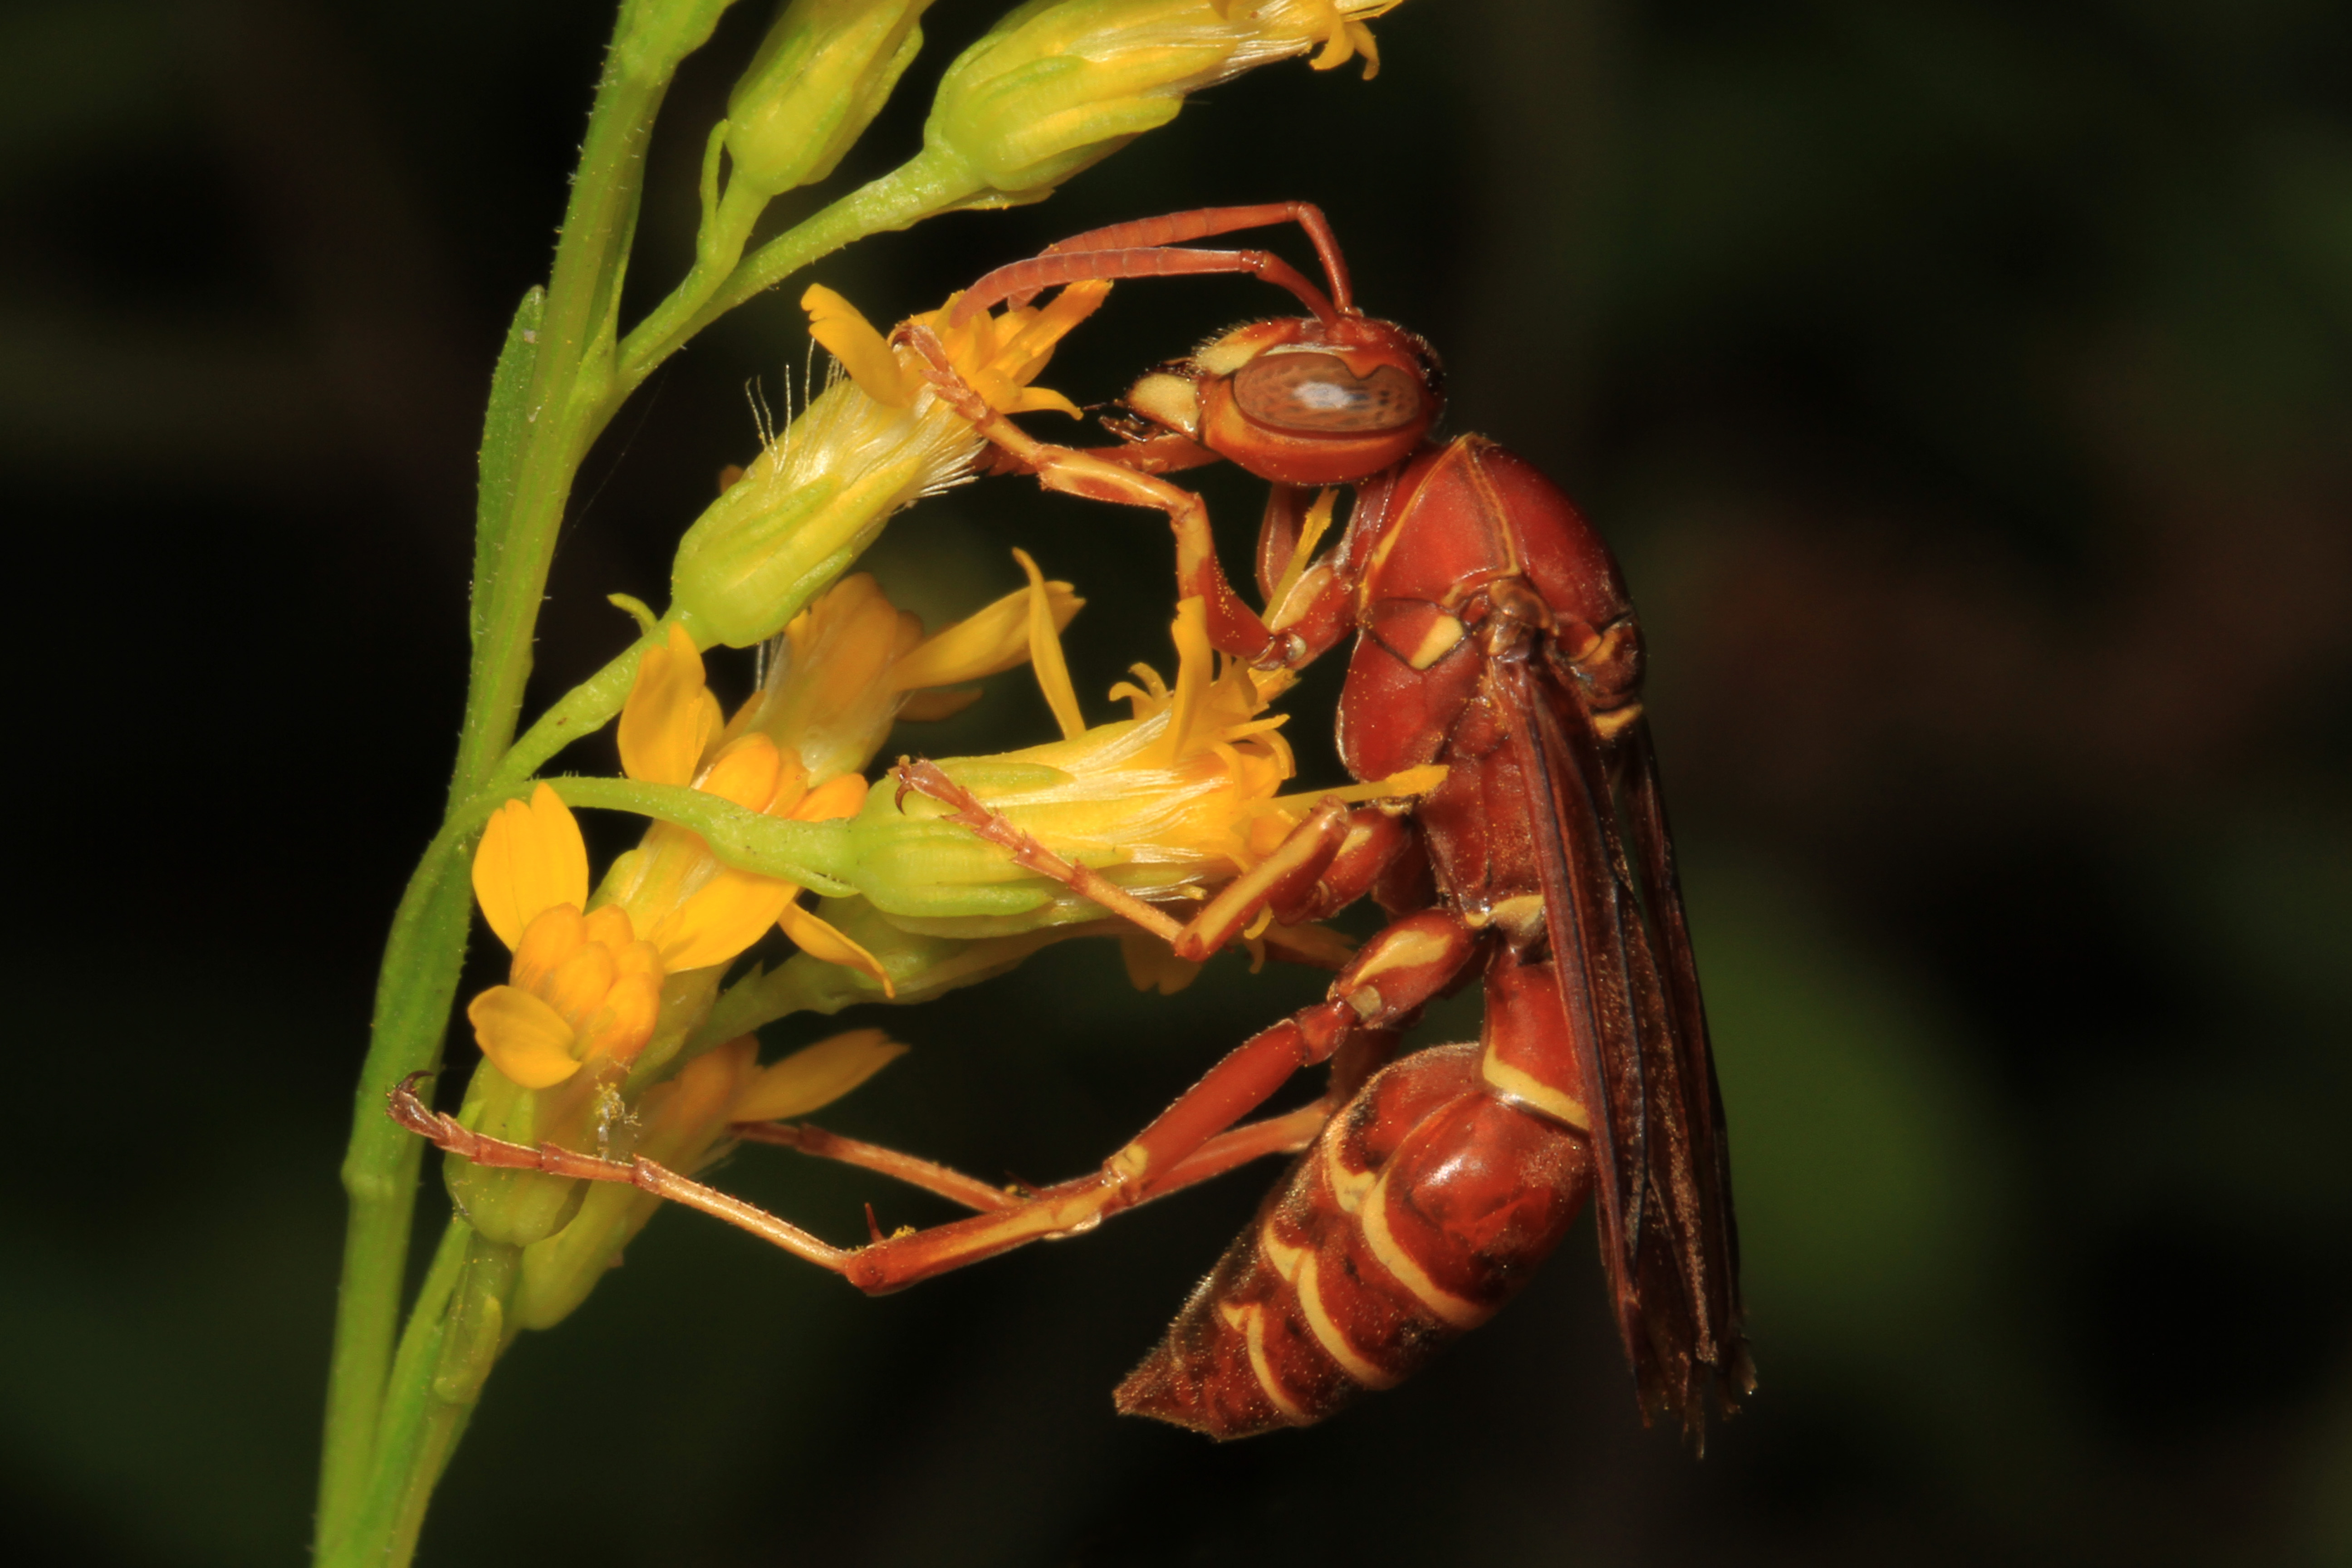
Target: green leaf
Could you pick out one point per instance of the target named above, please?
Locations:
(504, 426)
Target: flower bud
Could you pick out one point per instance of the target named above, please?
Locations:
(1059, 85)
(870, 444)
(822, 73)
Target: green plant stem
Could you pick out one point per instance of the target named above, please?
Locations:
(581, 711)
(418, 979)
(453, 1337)
(931, 182)
(813, 854)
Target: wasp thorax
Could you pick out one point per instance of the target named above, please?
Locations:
(1317, 393)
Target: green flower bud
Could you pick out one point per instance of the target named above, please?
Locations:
(806, 508)
(824, 72)
(517, 1207)
(1059, 85)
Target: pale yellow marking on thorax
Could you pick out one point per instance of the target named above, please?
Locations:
(1347, 1186)
(1442, 1304)
(1522, 916)
(1327, 1333)
(1517, 1084)
(1254, 1333)
(1442, 634)
(1609, 725)
(1279, 1252)
(1405, 949)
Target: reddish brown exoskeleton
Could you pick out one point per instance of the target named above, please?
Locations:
(1495, 638)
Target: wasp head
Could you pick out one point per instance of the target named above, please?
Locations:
(1301, 402)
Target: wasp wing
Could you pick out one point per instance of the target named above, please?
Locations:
(1630, 991)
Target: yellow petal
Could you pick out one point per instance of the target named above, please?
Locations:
(1194, 660)
(698, 1101)
(840, 796)
(577, 987)
(849, 338)
(1034, 399)
(938, 702)
(530, 858)
(523, 1037)
(1412, 781)
(1310, 534)
(553, 935)
(815, 1076)
(1046, 654)
(750, 773)
(1039, 330)
(987, 642)
(1151, 966)
(670, 717)
(821, 942)
(624, 1022)
(726, 915)
(610, 925)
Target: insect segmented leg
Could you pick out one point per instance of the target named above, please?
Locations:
(448, 1134)
(1230, 622)
(1284, 1134)
(1325, 863)
(1123, 250)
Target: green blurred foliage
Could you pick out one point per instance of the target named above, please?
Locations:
(1967, 387)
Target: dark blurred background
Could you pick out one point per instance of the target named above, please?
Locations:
(1967, 388)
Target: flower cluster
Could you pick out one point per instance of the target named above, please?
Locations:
(603, 991)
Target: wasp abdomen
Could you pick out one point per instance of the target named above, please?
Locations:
(1424, 1204)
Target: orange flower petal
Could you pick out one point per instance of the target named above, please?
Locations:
(851, 339)
(577, 987)
(609, 925)
(531, 857)
(1151, 966)
(1046, 654)
(987, 642)
(840, 796)
(820, 941)
(624, 1021)
(553, 935)
(725, 916)
(524, 1038)
(748, 773)
(1195, 664)
(815, 1076)
(670, 717)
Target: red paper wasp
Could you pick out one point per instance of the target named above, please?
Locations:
(1494, 636)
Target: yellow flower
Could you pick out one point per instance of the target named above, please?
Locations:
(1179, 794)
(875, 440)
(583, 989)
(999, 353)
(1175, 798)
(845, 670)
(587, 986)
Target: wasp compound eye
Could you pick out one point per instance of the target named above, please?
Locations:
(1317, 394)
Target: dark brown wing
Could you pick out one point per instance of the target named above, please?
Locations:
(1630, 992)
